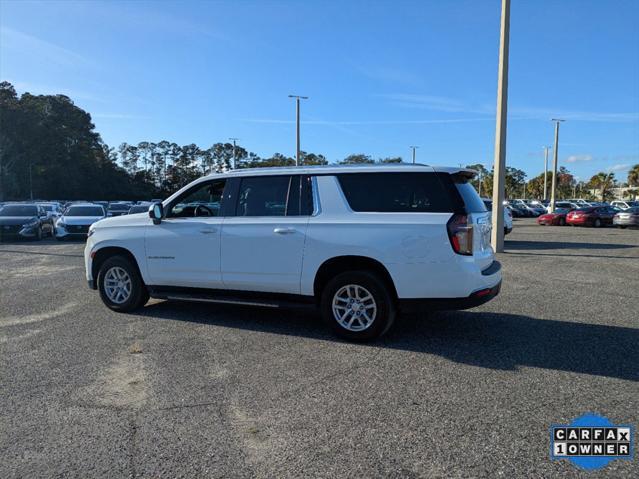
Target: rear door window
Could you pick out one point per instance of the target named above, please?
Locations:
(264, 196)
(395, 192)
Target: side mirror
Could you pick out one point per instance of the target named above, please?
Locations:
(156, 212)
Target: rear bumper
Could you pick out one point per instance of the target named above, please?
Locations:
(441, 304)
(625, 221)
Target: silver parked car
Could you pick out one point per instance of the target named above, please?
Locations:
(628, 217)
(76, 219)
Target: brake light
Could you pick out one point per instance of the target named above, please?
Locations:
(460, 234)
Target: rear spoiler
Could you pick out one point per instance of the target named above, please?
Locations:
(464, 175)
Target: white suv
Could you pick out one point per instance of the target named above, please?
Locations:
(358, 242)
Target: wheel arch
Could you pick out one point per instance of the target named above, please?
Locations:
(101, 255)
(339, 264)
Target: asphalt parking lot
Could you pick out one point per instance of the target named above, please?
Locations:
(184, 390)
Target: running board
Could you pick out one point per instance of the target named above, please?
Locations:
(240, 298)
(223, 301)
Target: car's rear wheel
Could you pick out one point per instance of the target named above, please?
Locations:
(562, 222)
(597, 223)
(120, 285)
(358, 306)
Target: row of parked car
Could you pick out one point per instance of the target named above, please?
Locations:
(62, 220)
(579, 212)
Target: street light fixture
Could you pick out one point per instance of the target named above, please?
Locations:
(297, 111)
(414, 148)
(554, 164)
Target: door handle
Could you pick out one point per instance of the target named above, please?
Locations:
(284, 231)
(208, 232)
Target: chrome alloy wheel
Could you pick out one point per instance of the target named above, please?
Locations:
(354, 307)
(117, 285)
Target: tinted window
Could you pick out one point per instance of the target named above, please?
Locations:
(472, 201)
(395, 192)
(85, 211)
(119, 207)
(203, 200)
(19, 210)
(138, 209)
(263, 196)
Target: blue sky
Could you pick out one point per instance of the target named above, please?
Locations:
(381, 76)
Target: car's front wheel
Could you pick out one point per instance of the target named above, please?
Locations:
(358, 306)
(120, 285)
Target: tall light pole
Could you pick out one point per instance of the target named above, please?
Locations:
(554, 164)
(546, 148)
(234, 140)
(497, 234)
(297, 111)
(414, 148)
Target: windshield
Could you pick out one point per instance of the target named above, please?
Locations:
(138, 209)
(19, 210)
(119, 207)
(562, 210)
(85, 211)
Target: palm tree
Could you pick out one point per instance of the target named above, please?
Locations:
(633, 176)
(603, 182)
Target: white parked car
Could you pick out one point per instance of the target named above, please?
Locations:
(624, 204)
(52, 209)
(358, 242)
(508, 216)
(76, 219)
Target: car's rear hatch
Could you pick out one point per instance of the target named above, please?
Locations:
(478, 218)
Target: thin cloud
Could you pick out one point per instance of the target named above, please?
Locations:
(454, 105)
(573, 115)
(619, 167)
(578, 158)
(153, 20)
(119, 116)
(42, 89)
(366, 122)
(430, 102)
(389, 75)
(44, 50)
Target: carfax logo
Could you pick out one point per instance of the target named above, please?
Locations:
(591, 441)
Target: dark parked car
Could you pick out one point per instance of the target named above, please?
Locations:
(142, 208)
(594, 216)
(117, 209)
(24, 221)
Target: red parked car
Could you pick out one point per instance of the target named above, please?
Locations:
(592, 216)
(558, 218)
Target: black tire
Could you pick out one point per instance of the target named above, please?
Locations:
(39, 234)
(597, 223)
(382, 297)
(562, 222)
(59, 238)
(138, 295)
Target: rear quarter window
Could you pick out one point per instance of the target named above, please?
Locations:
(395, 192)
(472, 201)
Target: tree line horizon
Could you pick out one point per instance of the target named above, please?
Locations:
(49, 149)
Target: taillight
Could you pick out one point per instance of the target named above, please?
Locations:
(460, 234)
